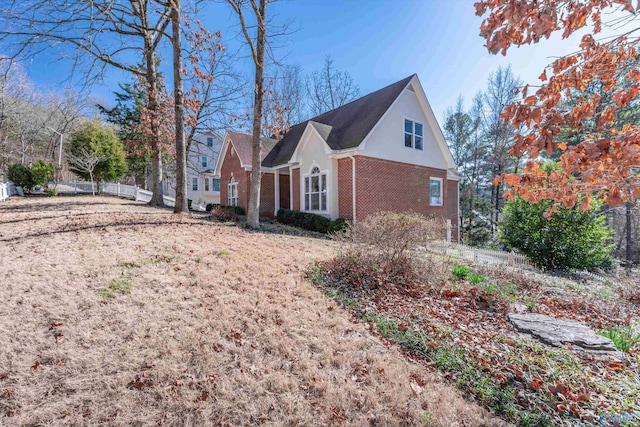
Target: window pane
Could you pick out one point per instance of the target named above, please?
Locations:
(315, 184)
(209, 142)
(418, 129)
(408, 140)
(194, 184)
(323, 180)
(323, 201)
(315, 170)
(436, 192)
(315, 202)
(206, 184)
(306, 202)
(408, 126)
(418, 142)
(215, 184)
(306, 185)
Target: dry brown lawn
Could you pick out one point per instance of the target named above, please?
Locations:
(115, 313)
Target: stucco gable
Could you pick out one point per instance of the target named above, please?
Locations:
(386, 139)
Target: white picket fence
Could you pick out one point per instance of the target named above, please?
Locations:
(7, 189)
(489, 256)
(117, 189)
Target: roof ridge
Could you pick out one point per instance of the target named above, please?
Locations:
(358, 99)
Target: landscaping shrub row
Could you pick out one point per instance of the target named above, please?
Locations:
(311, 222)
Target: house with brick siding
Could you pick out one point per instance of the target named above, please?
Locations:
(384, 151)
(233, 168)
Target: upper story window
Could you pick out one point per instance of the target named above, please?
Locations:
(209, 141)
(315, 190)
(435, 191)
(215, 184)
(412, 134)
(194, 184)
(204, 161)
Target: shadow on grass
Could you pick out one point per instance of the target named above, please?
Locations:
(73, 215)
(112, 224)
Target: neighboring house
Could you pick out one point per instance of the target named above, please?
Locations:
(202, 186)
(384, 151)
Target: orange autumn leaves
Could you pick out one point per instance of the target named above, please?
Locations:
(606, 162)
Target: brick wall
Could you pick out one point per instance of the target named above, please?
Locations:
(401, 187)
(345, 188)
(295, 176)
(285, 192)
(267, 195)
(231, 165)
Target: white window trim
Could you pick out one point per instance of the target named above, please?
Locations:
(434, 178)
(232, 184)
(303, 193)
(213, 186)
(413, 134)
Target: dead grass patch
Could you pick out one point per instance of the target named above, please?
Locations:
(219, 328)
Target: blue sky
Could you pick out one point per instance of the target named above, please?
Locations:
(377, 41)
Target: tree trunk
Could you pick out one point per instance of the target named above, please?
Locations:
(253, 212)
(156, 155)
(629, 251)
(178, 95)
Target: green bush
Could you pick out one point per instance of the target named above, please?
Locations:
(311, 222)
(569, 240)
(338, 225)
(461, 271)
(51, 192)
(94, 138)
(42, 173)
(21, 176)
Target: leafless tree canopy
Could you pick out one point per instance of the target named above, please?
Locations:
(85, 161)
(31, 121)
(329, 88)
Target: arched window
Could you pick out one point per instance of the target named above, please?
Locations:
(232, 193)
(315, 190)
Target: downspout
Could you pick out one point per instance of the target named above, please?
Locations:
(353, 185)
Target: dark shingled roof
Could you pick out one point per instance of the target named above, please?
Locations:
(347, 125)
(243, 145)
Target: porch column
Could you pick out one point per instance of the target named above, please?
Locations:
(291, 202)
(276, 177)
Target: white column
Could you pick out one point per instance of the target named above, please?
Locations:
(290, 188)
(276, 183)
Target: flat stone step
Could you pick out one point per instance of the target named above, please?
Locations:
(557, 332)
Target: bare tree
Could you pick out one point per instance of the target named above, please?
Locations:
(284, 99)
(96, 35)
(257, 47)
(85, 161)
(328, 88)
(501, 91)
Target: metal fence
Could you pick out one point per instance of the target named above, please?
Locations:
(6, 189)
